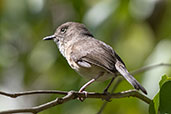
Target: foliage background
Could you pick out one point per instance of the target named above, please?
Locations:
(138, 30)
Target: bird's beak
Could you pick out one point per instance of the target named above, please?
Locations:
(49, 37)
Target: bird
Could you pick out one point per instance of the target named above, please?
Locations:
(90, 57)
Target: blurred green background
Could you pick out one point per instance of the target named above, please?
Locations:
(138, 30)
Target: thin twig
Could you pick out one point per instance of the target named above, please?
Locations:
(72, 95)
(18, 94)
(143, 69)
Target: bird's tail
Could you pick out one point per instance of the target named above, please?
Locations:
(124, 72)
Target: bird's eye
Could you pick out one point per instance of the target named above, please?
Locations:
(64, 29)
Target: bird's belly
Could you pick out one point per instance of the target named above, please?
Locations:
(90, 72)
(93, 72)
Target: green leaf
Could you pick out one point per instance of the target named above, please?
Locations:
(153, 108)
(162, 100)
(165, 98)
(163, 80)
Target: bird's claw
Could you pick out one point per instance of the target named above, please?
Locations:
(108, 98)
(83, 98)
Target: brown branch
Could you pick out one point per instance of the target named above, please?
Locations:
(72, 95)
(42, 107)
(18, 94)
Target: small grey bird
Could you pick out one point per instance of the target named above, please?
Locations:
(90, 57)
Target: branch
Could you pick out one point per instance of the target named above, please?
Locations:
(18, 94)
(143, 69)
(42, 107)
(72, 95)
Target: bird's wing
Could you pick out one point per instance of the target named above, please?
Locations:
(95, 52)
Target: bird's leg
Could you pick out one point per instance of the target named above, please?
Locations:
(106, 89)
(87, 84)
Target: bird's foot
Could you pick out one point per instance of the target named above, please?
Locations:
(108, 98)
(85, 95)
